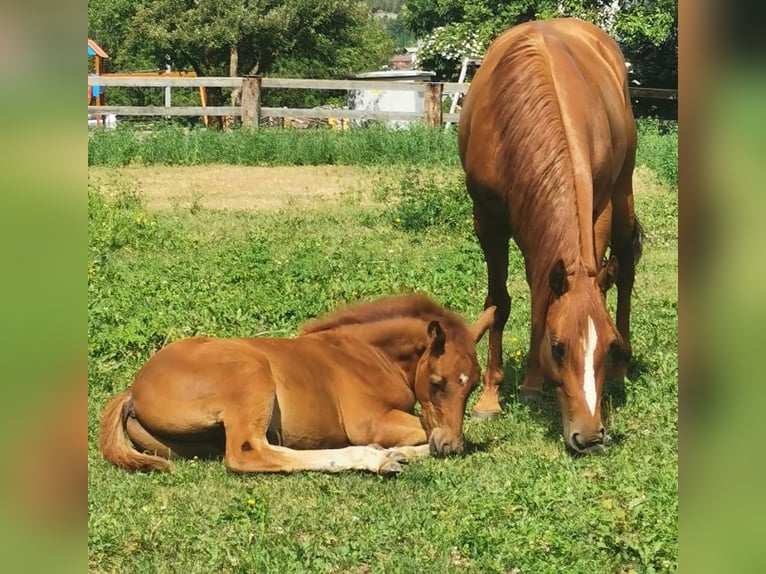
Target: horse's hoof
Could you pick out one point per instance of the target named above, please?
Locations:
(390, 467)
(485, 415)
(530, 396)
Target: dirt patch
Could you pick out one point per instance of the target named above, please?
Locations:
(243, 188)
(235, 187)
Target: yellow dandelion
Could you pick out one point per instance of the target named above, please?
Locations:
(518, 352)
(251, 501)
(91, 271)
(354, 293)
(398, 220)
(514, 340)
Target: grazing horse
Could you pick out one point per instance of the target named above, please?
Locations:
(313, 402)
(547, 141)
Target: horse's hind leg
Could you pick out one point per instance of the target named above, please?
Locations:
(494, 244)
(627, 236)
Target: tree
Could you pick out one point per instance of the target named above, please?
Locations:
(299, 38)
(647, 30)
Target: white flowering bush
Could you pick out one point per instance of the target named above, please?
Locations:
(445, 47)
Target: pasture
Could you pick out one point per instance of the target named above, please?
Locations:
(250, 251)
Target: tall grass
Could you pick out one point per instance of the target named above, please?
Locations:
(658, 148)
(173, 145)
(373, 145)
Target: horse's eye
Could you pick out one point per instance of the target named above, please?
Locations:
(557, 350)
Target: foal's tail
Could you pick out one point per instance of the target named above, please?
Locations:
(113, 444)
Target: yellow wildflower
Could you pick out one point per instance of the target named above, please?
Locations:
(251, 501)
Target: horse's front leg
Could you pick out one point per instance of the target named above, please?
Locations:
(532, 387)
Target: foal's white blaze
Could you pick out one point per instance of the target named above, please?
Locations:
(463, 378)
(589, 376)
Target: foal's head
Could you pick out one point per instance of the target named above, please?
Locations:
(446, 374)
(579, 341)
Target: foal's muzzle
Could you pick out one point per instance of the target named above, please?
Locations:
(443, 442)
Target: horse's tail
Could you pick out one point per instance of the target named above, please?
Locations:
(113, 444)
(637, 240)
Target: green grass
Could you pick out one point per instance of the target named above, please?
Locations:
(374, 145)
(516, 501)
(172, 145)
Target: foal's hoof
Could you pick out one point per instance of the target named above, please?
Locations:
(390, 467)
(396, 456)
(529, 396)
(485, 415)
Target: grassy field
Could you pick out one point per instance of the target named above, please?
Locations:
(517, 502)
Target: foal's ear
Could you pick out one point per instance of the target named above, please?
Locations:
(608, 274)
(483, 323)
(438, 338)
(558, 278)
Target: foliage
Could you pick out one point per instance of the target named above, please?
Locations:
(297, 38)
(658, 148)
(647, 30)
(516, 502)
(444, 49)
(421, 203)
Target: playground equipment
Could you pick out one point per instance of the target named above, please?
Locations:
(96, 93)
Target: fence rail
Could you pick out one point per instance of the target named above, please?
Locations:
(251, 112)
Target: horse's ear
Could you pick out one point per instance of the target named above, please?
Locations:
(558, 278)
(483, 323)
(608, 274)
(438, 338)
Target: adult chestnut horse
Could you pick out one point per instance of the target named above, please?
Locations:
(313, 402)
(547, 141)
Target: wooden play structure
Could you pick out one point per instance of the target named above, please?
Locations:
(96, 93)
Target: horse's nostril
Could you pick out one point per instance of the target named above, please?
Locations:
(581, 444)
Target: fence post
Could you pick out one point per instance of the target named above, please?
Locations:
(433, 104)
(251, 101)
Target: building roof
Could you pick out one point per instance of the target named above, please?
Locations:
(96, 50)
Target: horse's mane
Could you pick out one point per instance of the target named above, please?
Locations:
(534, 158)
(412, 306)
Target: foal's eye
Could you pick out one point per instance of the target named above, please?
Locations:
(438, 383)
(557, 350)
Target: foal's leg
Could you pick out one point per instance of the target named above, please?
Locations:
(393, 429)
(247, 450)
(494, 243)
(257, 455)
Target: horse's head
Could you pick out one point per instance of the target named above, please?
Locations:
(579, 341)
(446, 374)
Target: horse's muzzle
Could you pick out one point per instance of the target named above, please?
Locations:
(442, 442)
(587, 444)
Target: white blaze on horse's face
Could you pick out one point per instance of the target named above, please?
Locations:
(589, 345)
(463, 378)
